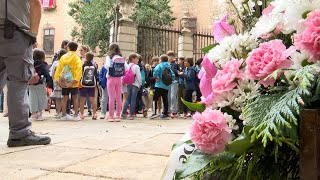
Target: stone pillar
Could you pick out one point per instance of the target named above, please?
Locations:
(127, 37)
(186, 38)
(127, 31)
(186, 45)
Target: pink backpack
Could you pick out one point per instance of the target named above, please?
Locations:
(128, 77)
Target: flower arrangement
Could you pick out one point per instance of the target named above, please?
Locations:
(255, 83)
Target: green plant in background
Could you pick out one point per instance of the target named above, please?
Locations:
(93, 19)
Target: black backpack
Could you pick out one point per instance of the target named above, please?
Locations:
(166, 76)
(88, 77)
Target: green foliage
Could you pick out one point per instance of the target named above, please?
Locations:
(208, 48)
(94, 19)
(241, 144)
(153, 13)
(197, 161)
(199, 107)
(274, 117)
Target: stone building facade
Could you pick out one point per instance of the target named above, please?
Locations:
(56, 25)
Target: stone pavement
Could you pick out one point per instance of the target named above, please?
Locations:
(129, 150)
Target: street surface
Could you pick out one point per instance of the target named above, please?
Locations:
(88, 150)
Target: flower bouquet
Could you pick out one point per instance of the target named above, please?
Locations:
(255, 83)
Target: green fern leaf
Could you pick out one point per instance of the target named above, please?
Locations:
(274, 117)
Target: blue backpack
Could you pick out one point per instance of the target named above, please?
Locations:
(117, 68)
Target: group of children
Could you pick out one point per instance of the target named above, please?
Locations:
(123, 83)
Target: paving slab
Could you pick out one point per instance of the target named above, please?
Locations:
(159, 145)
(102, 142)
(20, 173)
(123, 165)
(69, 176)
(48, 157)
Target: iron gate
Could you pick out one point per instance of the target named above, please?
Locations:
(154, 41)
(201, 40)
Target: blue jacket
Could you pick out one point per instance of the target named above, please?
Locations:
(103, 77)
(181, 79)
(174, 67)
(157, 72)
(189, 76)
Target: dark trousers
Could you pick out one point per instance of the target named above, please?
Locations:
(1, 100)
(187, 97)
(140, 105)
(199, 94)
(180, 95)
(159, 92)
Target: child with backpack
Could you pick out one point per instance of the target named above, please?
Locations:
(164, 77)
(140, 106)
(57, 90)
(68, 74)
(37, 91)
(88, 85)
(103, 84)
(133, 80)
(189, 75)
(116, 66)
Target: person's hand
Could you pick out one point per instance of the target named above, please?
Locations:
(74, 82)
(62, 83)
(157, 79)
(180, 73)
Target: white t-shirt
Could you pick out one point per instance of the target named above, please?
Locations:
(136, 71)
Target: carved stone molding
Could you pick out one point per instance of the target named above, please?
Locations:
(185, 22)
(126, 9)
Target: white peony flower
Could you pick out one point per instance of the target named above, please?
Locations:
(234, 46)
(299, 58)
(281, 5)
(293, 15)
(266, 24)
(225, 99)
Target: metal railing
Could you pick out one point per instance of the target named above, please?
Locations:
(155, 41)
(201, 40)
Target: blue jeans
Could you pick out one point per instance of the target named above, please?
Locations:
(104, 101)
(1, 100)
(173, 97)
(132, 97)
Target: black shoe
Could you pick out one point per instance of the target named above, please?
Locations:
(29, 140)
(89, 113)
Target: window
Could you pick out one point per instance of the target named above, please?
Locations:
(48, 41)
(48, 4)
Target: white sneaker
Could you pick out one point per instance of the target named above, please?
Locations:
(67, 117)
(58, 116)
(76, 118)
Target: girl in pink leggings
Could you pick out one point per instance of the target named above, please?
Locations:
(116, 67)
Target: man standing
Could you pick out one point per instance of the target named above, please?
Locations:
(173, 88)
(19, 23)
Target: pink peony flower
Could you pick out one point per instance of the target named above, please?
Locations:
(225, 79)
(264, 60)
(309, 39)
(207, 72)
(222, 29)
(210, 132)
